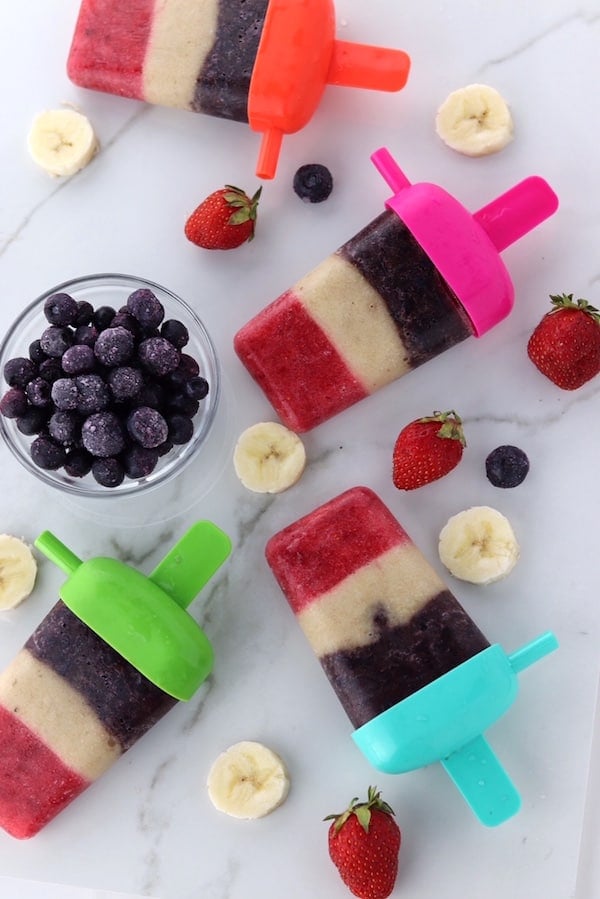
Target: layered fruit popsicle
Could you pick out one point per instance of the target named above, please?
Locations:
(378, 617)
(265, 62)
(417, 280)
(112, 656)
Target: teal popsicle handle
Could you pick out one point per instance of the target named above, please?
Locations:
(532, 652)
(483, 782)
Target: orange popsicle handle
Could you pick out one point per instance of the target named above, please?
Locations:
(374, 68)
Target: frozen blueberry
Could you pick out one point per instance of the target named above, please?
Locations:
(61, 309)
(18, 371)
(164, 448)
(85, 313)
(313, 183)
(93, 394)
(13, 404)
(152, 394)
(181, 428)
(38, 392)
(78, 463)
(46, 453)
(114, 346)
(145, 306)
(125, 382)
(197, 388)
(147, 426)
(55, 340)
(103, 317)
(78, 359)
(33, 421)
(124, 319)
(64, 394)
(102, 434)
(507, 466)
(64, 427)
(158, 355)
(108, 472)
(51, 370)
(86, 334)
(36, 353)
(175, 332)
(185, 405)
(139, 461)
(187, 369)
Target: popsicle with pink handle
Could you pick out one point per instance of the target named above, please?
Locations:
(417, 280)
(417, 678)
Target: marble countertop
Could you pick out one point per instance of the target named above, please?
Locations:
(147, 827)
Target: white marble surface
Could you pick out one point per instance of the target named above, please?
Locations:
(148, 827)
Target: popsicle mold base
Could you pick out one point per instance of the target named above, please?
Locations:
(444, 722)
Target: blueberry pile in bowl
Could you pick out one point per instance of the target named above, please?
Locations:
(110, 385)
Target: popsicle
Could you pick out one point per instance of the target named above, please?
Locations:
(265, 62)
(415, 675)
(113, 655)
(420, 278)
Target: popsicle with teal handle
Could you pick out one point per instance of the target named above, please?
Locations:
(113, 655)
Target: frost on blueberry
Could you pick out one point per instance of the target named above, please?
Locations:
(102, 392)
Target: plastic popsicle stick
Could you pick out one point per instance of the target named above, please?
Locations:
(483, 782)
(519, 210)
(532, 652)
(268, 156)
(57, 552)
(389, 169)
(192, 562)
(361, 65)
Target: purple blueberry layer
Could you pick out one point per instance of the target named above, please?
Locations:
(223, 84)
(126, 703)
(427, 314)
(402, 659)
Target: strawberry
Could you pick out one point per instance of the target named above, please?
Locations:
(224, 220)
(427, 449)
(565, 346)
(364, 842)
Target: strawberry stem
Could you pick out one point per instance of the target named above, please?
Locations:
(450, 426)
(565, 301)
(362, 810)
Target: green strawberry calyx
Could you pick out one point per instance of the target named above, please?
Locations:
(566, 301)
(362, 810)
(244, 206)
(451, 425)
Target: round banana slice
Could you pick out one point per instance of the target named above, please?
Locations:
(268, 457)
(62, 141)
(248, 781)
(475, 120)
(18, 570)
(478, 545)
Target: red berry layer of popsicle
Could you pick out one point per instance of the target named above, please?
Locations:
(182, 53)
(368, 314)
(378, 617)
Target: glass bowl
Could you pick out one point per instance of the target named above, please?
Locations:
(113, 290)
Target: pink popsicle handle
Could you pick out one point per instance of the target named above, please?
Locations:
(519, 210)
(389, 169)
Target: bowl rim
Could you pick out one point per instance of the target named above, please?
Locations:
(129, 487)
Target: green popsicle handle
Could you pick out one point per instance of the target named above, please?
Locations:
(57, 552)
(192, 562)
(483, 782)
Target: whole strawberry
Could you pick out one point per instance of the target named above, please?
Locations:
(364, 842)
(226, 219)
(565, 346)
(427, 449)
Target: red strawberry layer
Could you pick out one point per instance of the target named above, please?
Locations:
(378, 617)
(34, 783)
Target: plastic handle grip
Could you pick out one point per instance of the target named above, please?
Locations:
(519, 210)
(483, 782)
(374, 68)
(57, 552)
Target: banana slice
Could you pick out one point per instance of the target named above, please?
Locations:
(18, 570)
(62, 141)
(248, 780)
(475, 120)
(268, 457)
(478, 545)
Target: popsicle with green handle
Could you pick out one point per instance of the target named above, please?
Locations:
(113, 655)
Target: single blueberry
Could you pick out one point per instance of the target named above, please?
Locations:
(108, 472)
(187, 369)
(313, 183)
(55, 340)
(39, 392)
(507, 466)
(147, 426)
(85, 313)
(33, 421)
(181, 428)
(114, 346)
(61, 309)
(103, 317)
(158, 356)
(78, 359)
(197, 388)
(18, 371)
(51, 370)
(64, 394)
(139, 461)
(65, 427)
(175, 332)
(124, 319)
(185, 405)
(102, 434)
(125, 382)
(36, 353)
(164, 448)
(86, 334)
(93, 394)
(13, 403)
(152, 394)
(78, 463)
(46, 453)
(145, 306)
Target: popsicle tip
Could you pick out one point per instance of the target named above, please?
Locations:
(268, 156)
